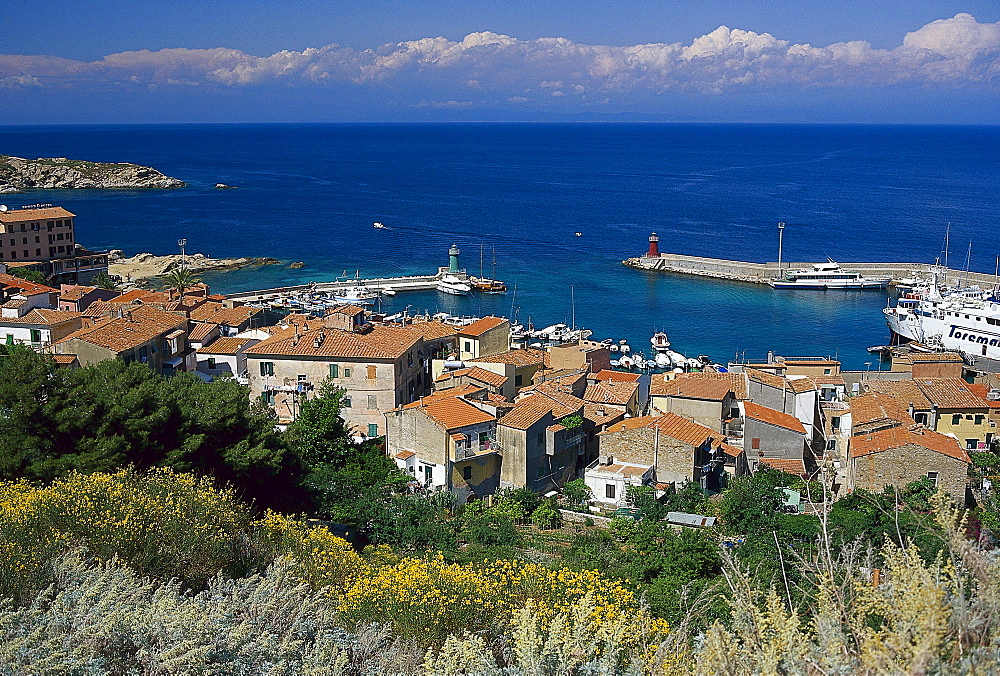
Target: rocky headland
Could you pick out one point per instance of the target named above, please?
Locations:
(18, 174)
(146, 265)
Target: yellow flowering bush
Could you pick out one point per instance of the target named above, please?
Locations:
(318, 557)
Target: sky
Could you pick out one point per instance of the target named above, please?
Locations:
(111, 61)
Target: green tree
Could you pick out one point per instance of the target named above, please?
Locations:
(750, 505)
(29, 274)
(576, 492)
(319, 435)
(547, 516)
(103, 280)
(181, 279)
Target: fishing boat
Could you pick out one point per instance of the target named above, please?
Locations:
(357, 294)
(828, 276)
(451, 284)
(487, 284)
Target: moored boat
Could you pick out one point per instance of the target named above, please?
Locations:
(828, 276)
(453, 285)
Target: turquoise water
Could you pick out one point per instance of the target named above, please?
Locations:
(311, 193)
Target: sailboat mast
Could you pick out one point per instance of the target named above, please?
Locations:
(481, 260)
(572, 302)
(494, 273)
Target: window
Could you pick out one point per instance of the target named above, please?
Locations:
(541, 438)
(468, 346)
(267, 368)
(466, 472)
(484, 438)
(372, 402)
(334, 370)
(835, 423)
(956, 419)
(831, 444)
(373, 431)
(346, 402)
(268, 398)
(302, 378)
(920, 418)
(971, 444)
(211, 362)
(980, 419)
(933, 476)
(38, 252)
(518, 380)
(409, 358)
(371, 372)
(755, 444)
(347, 372)
(609, 491)
(36, 336)
(826, 372)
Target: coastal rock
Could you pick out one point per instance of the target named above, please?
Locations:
(146, 265)
(18, 174)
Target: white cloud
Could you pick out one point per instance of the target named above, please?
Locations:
(949, 52)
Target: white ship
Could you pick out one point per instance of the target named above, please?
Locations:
(966, 320)
(828, 276)
(453, 285)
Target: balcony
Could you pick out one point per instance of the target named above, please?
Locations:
(477, 450)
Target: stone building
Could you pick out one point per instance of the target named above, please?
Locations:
(708, 402)
(447, 442)
(540, 452)
(483, 338)
(225, 356)
(900, 455)
(474, 375)
(518, 366)
(38, 327)
(772, 434)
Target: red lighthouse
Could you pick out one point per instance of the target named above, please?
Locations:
(654, 246)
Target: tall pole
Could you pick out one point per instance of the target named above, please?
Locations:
(182, 243)
(781, 237)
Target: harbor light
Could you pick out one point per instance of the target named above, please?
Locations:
(453, 258)
(654, 246)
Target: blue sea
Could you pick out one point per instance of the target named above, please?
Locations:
(311, 193)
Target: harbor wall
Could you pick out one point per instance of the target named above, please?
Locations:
(763, 273)
(409, 283)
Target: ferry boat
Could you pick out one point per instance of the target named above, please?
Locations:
(828, 276)
(965, 320)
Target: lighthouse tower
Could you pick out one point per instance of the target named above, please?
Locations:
(453, 258)
(654, 246)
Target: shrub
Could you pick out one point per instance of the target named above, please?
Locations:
(547, 516)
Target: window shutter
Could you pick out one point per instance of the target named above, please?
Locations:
(371, 372)
(334, 371)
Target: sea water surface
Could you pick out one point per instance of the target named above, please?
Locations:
(311, 193)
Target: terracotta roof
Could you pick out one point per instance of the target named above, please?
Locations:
(26, 288)
(462, 391)
(557, 427)
(802, 384)
(899, 437)
(679, 428)
(215, 313)
(610, 392)
(829, 380)
(475, 373)
(404, 455)
(772, 417)
(905, 391)
(119, 334)
(76, 293)
(315, 340)
(522, 357)
(618, 376)
(349, 310)
(225, 345)
(41, 317)
(452, 412)
(791, 465)
(99, 308)
(433, 330)
(935, 357)
(481, 326)
(878, 406)
(15, 303)
(695, 388)
(18, 215)
(592, 412)
(737, 381)
(624, 469)
(982, 390)
(949, 393)
(527, 412)
(64, 359)
(200, 331)
(768, 379)
(811, 362)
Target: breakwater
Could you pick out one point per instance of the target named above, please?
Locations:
(408, 283)
(764, 273)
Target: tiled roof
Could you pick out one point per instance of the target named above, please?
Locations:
(801, 384)
(444, 394)
(225, 345)
(905, 391)
(791, 465)
(898, 437)
(737, 381)
(349, 310)
(41, 317)
(481, 326)
(476, 373)
(15, 303)
(772, 417)
(76, 293)
(522, 357)
(618, 376)
(811, 362)
(610, 392)
(26, 288)
(829, 380)
(623, 469)
(695, 388)
(315, 340)
(99, 308)
(404, 455)
(935, 357)
(200, 331)
(215, 313)
(18, 215)
(64, 359)
(679, 428)
(949, 393)
(432, 330)
(527, 412)
(876, 407)
(982, 391)
(452, 412)
(119, 334)
(768, 379)
(557, 427)
(610, 416)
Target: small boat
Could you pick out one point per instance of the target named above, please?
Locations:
(623, 346)
(662, 361)
(358, 294)
(615, 363)
(379, 226)
(880, 349)
(388, 291)
(659, 341)
(453, 285)
(578, 234)
(612, 347)
(626, 362)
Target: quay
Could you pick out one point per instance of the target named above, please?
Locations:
(766, 273)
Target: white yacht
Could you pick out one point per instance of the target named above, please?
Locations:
(453, 285)
(357, 294)
(966, 320)
(828, 276)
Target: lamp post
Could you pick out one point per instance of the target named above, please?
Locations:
(781, 237)
(182, 243)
